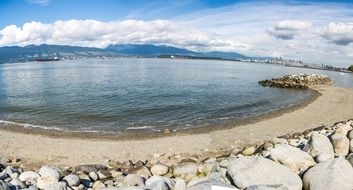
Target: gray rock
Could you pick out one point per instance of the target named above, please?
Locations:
(279, 141)
(248, 171)
(292, 157)
(46, 182)
(210, 184)
(49, 171)
(28, 175)
(4, 186)
(159, 169)
(267, 187)
(185, 168)
(72, 180)
(335, 173)
(90, 168)
(350, 158)
(319, 144)
(134, 180)
(350, 134)
(160, 182)
(340, 144)
(208, 167)
(18, 183)
(322, 157)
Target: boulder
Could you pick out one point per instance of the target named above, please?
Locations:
(141, 171)
(340, 144)
(49, 171)
(185, 168)
(248, 171)
(28, 175)
(292, 157)
(210, 184)
(159, 169)
(319, 144)
(134, 180)
(335, 173)
(72, 180)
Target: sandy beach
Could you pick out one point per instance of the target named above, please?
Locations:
(335, 104)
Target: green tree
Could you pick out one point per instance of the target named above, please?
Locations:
(351, 68)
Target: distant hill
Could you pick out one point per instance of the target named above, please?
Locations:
(32, 52)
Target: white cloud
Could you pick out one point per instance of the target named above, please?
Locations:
(339, 33)
(288, 29)
(39, 2)
(100, 34)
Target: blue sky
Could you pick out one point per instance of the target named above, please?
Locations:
(306, 30)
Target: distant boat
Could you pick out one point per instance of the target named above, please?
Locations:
(47, 59)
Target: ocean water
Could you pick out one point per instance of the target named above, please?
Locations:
(128, 94)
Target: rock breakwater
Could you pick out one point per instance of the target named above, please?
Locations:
(317, 159)
(302, 81)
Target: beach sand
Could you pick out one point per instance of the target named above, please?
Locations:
(36, 148)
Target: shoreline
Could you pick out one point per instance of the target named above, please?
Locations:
(143, 134)
(333, 105)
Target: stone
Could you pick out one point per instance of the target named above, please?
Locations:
(134, 180)
(268, 145)
(159, 169)
(267, 187)
(160, 182)
(208, 167)
(279, 141)
(343, 129)
(322, 157)
(93, 175)
(340, 144)
(180, 184)
(292, 157)
(185, 168)
(335, 173)
(350, 158)
(319, 144)
(17, 183)
(45, 182)
(49, 171)
(98, 185)
(141, 171)
(351, 146)
(247, 171)
(28, 175)
(4, 186)
(90, 168)
(72, 180)
(350, 135)
(210, 185)
(249, 151)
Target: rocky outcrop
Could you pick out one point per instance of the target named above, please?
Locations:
(302, 81)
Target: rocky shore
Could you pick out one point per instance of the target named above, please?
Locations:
(302, 81)
(316, 159)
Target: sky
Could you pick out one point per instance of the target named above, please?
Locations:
(317, 31)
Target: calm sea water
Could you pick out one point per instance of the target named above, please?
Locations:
(130, 94)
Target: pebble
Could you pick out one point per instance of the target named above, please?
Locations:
(159, 169)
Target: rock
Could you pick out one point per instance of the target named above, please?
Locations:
(322, 157)
(292, 157)
(180, 184)
(350, 134)
(85, 180)
(267, 187)
(185, 168)
(335, 173)
(208, 167)
(4, 186)
(351, 146)
(90, 168)
(350, 158)
(159, 169)
(141, 171)
(248, 171)
(249, 151)
(18, 183)
(343, 129)
(302, 81)
(98, 185)
(268, 145)
(93, 175)
(340, 144)
(210, 185)
(134, 180)
(319, 144)
(46, 182)
(72, 180)
(279, 141)
(28, 175)
(49, 171)
(164, 183)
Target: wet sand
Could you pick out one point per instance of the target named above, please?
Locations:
(61, 148)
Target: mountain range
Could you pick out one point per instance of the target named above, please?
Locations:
(11, 54)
